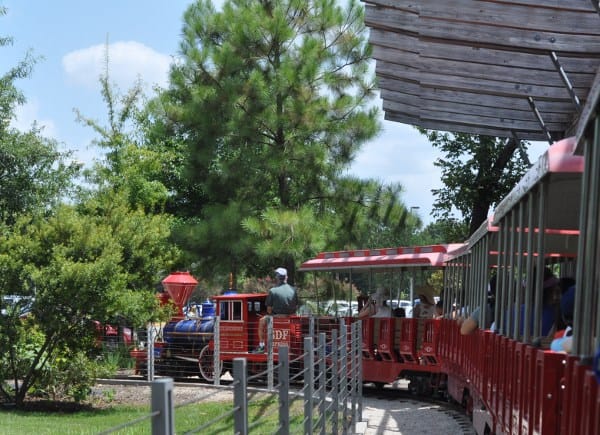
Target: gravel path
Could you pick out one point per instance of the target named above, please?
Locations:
(139, 393)
(410, 417)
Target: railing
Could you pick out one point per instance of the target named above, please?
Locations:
(331, 393)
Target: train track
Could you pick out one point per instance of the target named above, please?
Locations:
(399, 397)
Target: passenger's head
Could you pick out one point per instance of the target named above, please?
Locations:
(426, 293)
(379, 297)
(399, 312)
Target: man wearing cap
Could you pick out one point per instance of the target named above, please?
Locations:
(281, 300)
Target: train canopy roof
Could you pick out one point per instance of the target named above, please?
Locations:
(560, 172)
(523, 69)
(431, 256)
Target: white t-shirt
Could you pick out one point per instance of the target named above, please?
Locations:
(383, 311)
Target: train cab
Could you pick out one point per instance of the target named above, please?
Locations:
(239, 316)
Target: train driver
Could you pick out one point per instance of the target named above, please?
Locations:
(281, 300)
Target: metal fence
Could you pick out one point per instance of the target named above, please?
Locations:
(328, 382)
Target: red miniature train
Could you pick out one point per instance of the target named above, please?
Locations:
(506, 376)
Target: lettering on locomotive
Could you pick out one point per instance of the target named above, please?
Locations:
(281, 335)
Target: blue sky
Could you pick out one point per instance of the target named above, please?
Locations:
(143, 37)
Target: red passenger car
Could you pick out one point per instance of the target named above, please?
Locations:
(396, 348)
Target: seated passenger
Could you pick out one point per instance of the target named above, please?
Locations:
(376, 307)
(471, 323)
(563, 339)
(383, 310)
(550, 303)
(425, 309)
(551, 294)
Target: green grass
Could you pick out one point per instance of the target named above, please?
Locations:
(263, 419)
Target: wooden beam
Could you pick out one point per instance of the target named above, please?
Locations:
(482, 23)
(467, 129)
(590, 110)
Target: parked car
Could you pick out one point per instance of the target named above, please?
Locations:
(21, 303)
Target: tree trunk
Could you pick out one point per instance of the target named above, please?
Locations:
(478, 216)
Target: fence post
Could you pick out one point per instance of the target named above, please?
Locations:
(284, 391)
(163, 423)
(240, 396)
(151, 334)
(334, 381)
(309, 381)
(216, 352)
(345, 373)
(270, 353)
(359, 374)
(322, 381)
(357, 378)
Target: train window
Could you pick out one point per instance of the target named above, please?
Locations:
(231, 310)
(237, 310)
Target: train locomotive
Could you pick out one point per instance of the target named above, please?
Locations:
(186, 344)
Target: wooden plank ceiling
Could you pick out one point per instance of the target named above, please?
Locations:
(520, 68)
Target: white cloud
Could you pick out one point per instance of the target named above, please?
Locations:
(127, 61)
(402, 155)
(27, 114)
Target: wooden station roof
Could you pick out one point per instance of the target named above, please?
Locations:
(523, 69)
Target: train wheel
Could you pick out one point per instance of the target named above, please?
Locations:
(206, 364)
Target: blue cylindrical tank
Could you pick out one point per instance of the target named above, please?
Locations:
(192, 330)
(167, 330)
(208, 310)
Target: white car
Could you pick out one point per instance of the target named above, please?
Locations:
(339, 308)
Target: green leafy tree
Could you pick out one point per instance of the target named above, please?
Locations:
(33, 173)
(371, 215)
(72, 263)
(128, 166)
(96, 261)
(446, 230)
(273, 101)
(477, 172)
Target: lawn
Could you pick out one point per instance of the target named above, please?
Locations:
(263, 419)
